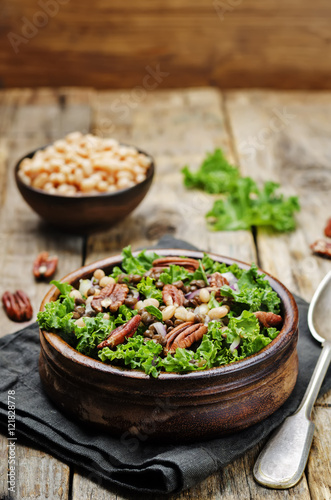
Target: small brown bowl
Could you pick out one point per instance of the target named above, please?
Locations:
(84, 213)
(173, 407)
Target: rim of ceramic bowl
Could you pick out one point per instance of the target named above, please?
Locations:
(277, 345)
(149, 175)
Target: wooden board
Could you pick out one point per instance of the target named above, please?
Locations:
(228, 43)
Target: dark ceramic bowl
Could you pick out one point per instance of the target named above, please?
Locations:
(84, 213)
(178, 407)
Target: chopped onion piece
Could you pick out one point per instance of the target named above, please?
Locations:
(230, 277)
(160, 328)
(235, 344)
(84, 286)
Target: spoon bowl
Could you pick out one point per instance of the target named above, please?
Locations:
(319, 311)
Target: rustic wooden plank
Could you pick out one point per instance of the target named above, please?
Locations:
(294, 151)
(3, 466)
(91, 487)
(319, 467)
(38, 119)
(236, 481)
(230, 44)
(40, 476)
(282, 137)
(37, 474)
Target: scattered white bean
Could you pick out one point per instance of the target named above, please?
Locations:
(106, 280)
(151, 302)
(80, 322)
(75, 294)
(204, 295)
(98, 274)
(218, 312)
(168, 312)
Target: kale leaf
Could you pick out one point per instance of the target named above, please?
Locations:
(215, 175)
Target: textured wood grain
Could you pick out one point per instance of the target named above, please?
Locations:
(37, 475)
(40, 476)
(296, 155)
(319, 465)
(189, 123)
(3, 466)
(37, 119)
(234, 485)
(230, 43)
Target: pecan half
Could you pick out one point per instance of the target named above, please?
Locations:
(216, 279)
(44, 266)
(17, 306)
(321, 248)
(171, 296)
(110, 298)
(189, 264)
(268, 319)
(120, 333)
(327, 230)
(184, 336)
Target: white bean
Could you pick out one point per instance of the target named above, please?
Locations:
(168, 312)
(106, 280)
(151, 302)
(218, 312)
(98, 274)
(204, 295)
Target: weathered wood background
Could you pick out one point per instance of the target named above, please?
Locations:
(271, 135)
(109, 44)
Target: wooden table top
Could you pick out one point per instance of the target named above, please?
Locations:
(276, 136)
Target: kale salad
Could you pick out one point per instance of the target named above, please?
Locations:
(166, 314)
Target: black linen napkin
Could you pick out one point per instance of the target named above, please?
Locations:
(151, 468)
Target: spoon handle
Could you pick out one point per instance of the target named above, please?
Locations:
(283, 460)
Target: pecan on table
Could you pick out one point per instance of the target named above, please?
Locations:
(327, 230)
(172, 296)
(217, 280)
(120, 333)
(321, 248)
(110, 298)
(44, 266)
(189, 264)
(17, 306)
(268, 319)
(184, 336)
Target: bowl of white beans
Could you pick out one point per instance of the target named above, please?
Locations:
(83, 183)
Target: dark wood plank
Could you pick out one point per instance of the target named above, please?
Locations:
(293, 150)
(229, 43)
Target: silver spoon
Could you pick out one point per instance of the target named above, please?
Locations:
(283, 460)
